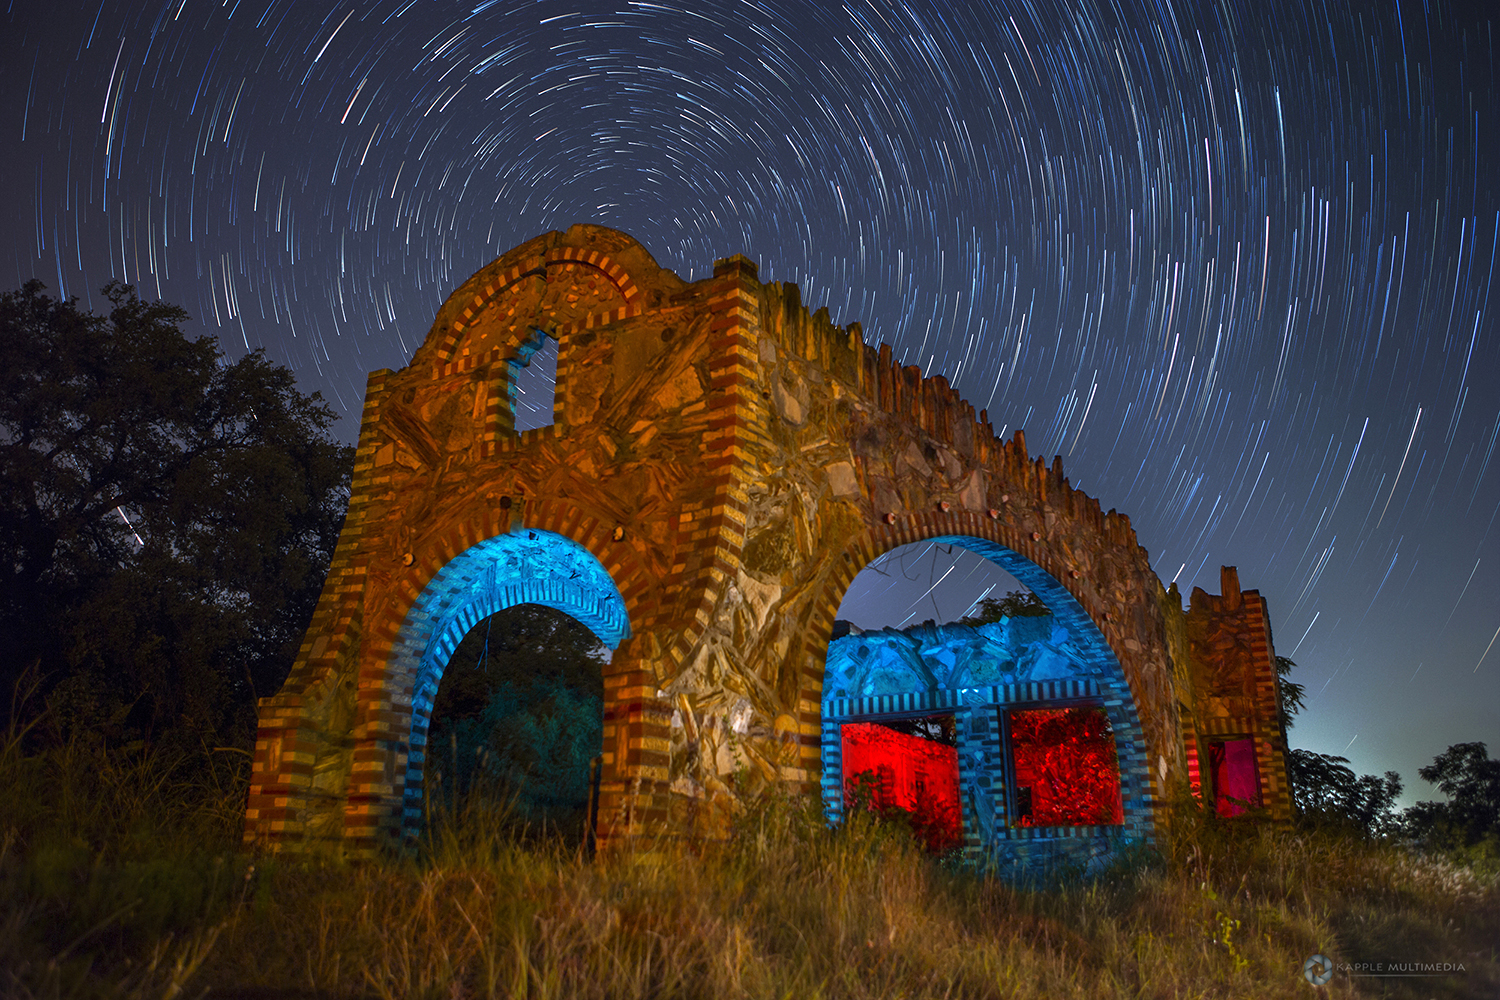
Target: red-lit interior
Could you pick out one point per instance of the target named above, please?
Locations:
(1065, 765)
(906, 773)
(1236, 783)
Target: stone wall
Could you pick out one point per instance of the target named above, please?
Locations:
(1233, 668)
(955, 656)
(731, 461)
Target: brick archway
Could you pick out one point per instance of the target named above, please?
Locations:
(1104, 683)
(519, 567)
(731, 460)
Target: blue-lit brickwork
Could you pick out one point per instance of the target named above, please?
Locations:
(976, 672)
(524, 567)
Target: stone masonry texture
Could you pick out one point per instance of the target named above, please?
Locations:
(731, 461)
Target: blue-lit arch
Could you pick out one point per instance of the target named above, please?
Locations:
(1100, 680)
(528, 566)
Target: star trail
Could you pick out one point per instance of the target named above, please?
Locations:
(1234, 262)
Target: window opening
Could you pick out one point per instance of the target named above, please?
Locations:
(1236, 780)
(534, 383)
(906, 768)
(1066, 770)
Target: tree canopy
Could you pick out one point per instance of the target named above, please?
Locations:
(1470, 779)
(1015, 604)
(1289, 694)
(166, 518)
(1325, 790)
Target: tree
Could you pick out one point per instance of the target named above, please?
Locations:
(1324, 790)
(1015, 604)
(1288, 693)
(1327, 792)
(166, 517)
(1471, 781)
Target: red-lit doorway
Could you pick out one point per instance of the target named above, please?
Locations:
(1235, 776)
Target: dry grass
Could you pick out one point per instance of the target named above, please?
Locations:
(115, 880)
(785, 909)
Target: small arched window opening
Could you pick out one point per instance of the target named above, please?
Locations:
(533, 382)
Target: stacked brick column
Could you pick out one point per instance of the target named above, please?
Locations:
(1231, 637)
(291, 742)
(1270, 743)
(711, 537)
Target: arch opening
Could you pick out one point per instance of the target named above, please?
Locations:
(1047, 743)
(524, 567)
(928, 580)
(517, 724)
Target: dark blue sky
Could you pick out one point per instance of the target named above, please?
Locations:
(1234, 261)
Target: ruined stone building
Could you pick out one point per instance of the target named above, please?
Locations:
(720, 465)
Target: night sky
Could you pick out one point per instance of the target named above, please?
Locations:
(1234, 261)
